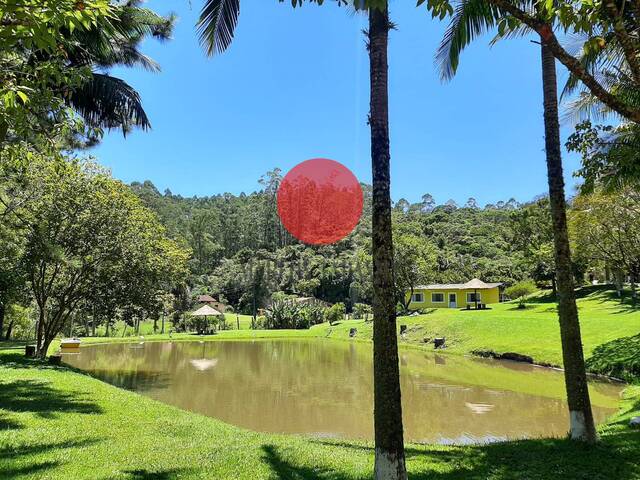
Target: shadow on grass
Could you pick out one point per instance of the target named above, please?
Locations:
(287, 470)
(7, 453)
(619, 358)
(144, 474)
(8, 423)
(42, 399)
(615, 457)
(608, 294)
(18, 360)
(32, 469)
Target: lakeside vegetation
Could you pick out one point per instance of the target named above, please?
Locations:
(606, 324)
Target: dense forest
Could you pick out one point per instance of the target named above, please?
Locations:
(241, 253)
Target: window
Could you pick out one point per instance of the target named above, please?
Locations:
(437, 297)
(471, 297)
(417, 297)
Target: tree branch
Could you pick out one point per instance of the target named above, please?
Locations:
(569, 61)
(625, 40)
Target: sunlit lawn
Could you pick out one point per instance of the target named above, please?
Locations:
(505, 328)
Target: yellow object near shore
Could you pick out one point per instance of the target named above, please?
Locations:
(70, 344)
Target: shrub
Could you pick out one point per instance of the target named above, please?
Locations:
(362, 310)
(312, 315)
(521, 291)
(283, 313)
(335, 313)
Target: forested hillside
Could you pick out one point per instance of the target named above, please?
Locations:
(242, 253)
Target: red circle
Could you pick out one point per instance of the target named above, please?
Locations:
(320, 201)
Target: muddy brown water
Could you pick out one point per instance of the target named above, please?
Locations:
(324, 388)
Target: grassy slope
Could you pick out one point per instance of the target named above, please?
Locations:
(533, 331)
(57, 423)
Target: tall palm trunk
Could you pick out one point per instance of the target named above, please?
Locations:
(389, 444)
(581, 416)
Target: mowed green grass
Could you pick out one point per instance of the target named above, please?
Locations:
(533, 331)
(56, 423)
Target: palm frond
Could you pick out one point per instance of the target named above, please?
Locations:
(217, 24)
(109, 102)
(471, 18)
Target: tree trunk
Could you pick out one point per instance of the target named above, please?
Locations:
(2, 310)
(42, 351)
(40, 329)
(163, 315)
(582, 426)
(618, 278)
(389, 443)
(155, 324)
(9, 330)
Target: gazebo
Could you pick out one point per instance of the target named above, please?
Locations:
(476, 284)
(204, 312)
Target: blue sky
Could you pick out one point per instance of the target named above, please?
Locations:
(294, 86)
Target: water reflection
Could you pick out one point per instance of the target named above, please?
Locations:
(325, 388)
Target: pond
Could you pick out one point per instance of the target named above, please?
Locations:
(324, 388)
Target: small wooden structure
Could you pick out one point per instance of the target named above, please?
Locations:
(70, 345)
(205, 311)
(212, 302)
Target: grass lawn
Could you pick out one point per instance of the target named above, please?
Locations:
(505, 328)
(62, 424)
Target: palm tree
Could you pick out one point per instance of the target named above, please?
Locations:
(102, 100)
(216, 26)
(389, 451)
(472, 18)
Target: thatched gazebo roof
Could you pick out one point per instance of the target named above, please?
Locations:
(476, 283)
(205, 311)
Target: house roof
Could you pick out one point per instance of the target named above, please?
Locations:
(206, 298)
(475, 284)
(205, 311)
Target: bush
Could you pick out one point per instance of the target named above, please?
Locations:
(521, 291)
(362, 310)
(312, 314)
(335, 313)
(284, 313)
